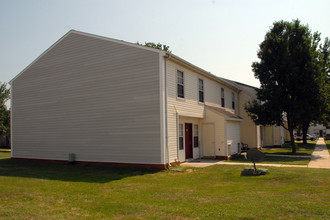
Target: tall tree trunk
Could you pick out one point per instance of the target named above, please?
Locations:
(304, 131)
(293, 144)
(291, 127)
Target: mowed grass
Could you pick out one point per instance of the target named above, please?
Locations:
(301, 149)
(275, 160)
(327, 142)
(35, 190)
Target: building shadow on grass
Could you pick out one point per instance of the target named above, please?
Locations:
(67, 172)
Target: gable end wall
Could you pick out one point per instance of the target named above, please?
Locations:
(95, 98)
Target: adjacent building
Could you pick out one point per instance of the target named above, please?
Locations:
(256, 136)
(318, 130)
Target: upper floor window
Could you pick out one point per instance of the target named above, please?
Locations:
(201, 90)
(222, 97)
(180, 81)
(233, 100)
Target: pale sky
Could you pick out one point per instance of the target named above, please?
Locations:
(219, 36)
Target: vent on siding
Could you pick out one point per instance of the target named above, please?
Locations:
(72, 158)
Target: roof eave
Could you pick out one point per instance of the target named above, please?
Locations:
(191, 66)
(235, 119)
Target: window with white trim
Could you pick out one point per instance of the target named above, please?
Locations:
(201, 90)
(222, 97)
(196, 139)
(233, 100)
(181, 136)
(180, 84)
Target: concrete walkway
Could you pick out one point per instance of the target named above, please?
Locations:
(206, 163)
(320, 157)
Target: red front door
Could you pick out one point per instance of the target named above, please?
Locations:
(188, 140)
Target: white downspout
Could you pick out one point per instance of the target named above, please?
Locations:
(177, 131)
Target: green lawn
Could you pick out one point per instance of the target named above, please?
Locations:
(275, 160)
(35, 190)
(302, 149)
(327, 142)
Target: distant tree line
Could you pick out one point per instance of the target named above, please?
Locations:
(158, 46)
(4, 113)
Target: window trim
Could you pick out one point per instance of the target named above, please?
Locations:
(199, 91)
(196, 135)
(179, 84)
(179, 136)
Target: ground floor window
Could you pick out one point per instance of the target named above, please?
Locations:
(196, 141)
(181, 136)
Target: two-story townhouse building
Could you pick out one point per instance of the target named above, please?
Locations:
(202, 120)
(256, 136)
(101, 100)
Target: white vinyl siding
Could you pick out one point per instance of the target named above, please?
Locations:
(190, 106)
(250, 132)
(214, 137)
(96, 98)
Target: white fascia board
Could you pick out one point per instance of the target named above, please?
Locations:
(235, 119)
(117, 41)
(189, 115)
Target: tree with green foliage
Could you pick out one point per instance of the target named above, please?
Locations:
(4, 112)
(324, 57)
(291, 78)
(158, 46)
(316, 102)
